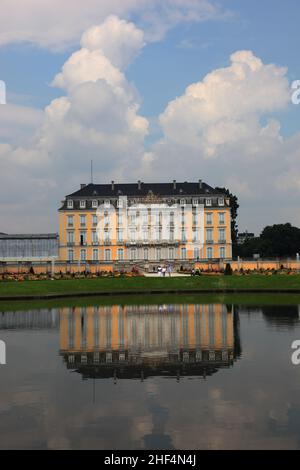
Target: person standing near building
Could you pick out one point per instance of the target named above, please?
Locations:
(169, 269)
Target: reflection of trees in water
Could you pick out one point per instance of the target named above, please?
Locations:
(281, 315)
(237, 345)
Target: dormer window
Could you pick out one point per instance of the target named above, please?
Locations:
(94, 204)
(182, 202)
(208, 202)
(70, 204)
(107, 204)
(221, 201)
(82, 204)
(195, 202)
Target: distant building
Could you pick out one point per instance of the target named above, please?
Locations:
(28, 247)
(244, 236)
(145, 223)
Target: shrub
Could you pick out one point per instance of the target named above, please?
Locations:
(228, 270)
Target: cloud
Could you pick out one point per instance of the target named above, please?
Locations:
(57, 25)
(97, 118)
(222, 129)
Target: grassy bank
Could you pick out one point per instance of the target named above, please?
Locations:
(118, 286)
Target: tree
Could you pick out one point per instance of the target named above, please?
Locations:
(234, 213)
(281, 240)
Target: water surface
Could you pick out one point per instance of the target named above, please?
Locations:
(170, 376)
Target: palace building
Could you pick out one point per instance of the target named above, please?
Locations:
(145, 224)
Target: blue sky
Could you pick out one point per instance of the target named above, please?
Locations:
(188, 52)
(185, 52)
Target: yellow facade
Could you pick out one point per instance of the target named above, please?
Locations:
(206, 228)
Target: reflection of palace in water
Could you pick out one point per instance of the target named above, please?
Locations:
(140, 341)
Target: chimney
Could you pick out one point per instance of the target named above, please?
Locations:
(83, 185)
(139, 184)
(200, 184)
(174, 184)
(112, 185)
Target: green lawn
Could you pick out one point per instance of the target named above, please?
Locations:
(140, 284)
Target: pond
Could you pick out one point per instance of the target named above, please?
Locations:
(186, 375)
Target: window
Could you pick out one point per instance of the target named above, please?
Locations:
(208, 218)
(70, 220)
(171, 235)
(120, 254)
(222, 252)
(209, 252)
(107, 255)
(70, 237)
(146, 254)
(94, 236)
(195, 202)
(82, 255)
(120, 203)
(209, 235)
(195, 219)
(221, 201)
(183, 235)
(107, 204)
(95, 221)
(196, 253)
(183, 253)
(132, 235)
(182, 202)
(94, 204)
(171, 253)
(71, 255)
(120, 218)
(158, 254)
(82, 204)
(221, 234)
(106, 218)
(145, 217)
(145, 235)
(119, 236)
(70, 204)
(95, 255)
(208, 202)
(221, 218)
(133, 254)
(195, 236)
(82, 238)
(106, 236)
(82, 220)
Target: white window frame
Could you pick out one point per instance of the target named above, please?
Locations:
(195, 202)
(221, 218)
(95, 254)
(83, 255)
(221, 201)
(107, 254)
(70, 221)
(82, 220)
(209, 250)
(209, 239)
(222, 249)
(208, 202)
(94, 204)
(70, 256)
(82, 204)
(70, 204)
